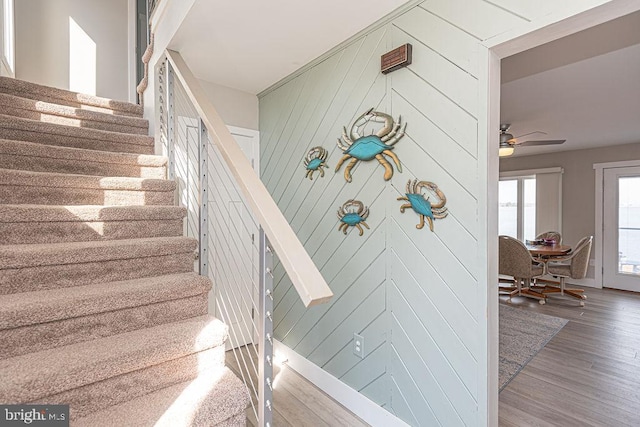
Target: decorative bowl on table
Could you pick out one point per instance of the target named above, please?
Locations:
(548, 242)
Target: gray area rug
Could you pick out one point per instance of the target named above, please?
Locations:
(522, 335)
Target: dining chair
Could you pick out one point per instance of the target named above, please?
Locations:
(550, 235)
(573, 266)
(516, 261)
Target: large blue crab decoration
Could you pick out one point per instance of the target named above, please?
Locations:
(315, 161)
(357, 147)
(353, 214)
(421, 205)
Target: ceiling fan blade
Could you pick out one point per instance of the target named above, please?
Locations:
(531, 133)
(541, 142)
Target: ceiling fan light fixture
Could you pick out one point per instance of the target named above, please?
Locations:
(505, 150)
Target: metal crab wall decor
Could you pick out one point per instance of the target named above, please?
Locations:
(357, 147)
(315, 161)
(421, 205)
(353, 213)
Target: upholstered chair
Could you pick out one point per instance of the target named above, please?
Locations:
(552, 235)
(516, 261)
(573, 266)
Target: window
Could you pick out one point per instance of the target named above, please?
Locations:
(530, 202)
(629, 225)
(517, 212)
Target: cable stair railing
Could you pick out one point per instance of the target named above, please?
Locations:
(238, 224)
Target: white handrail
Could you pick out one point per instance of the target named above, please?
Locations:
(304, 274)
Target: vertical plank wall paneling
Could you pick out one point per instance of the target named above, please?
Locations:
(411, 293)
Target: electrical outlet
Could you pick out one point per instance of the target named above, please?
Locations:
(358, 345)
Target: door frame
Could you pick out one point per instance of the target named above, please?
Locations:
(235, 130)
(599, 235)
(255, 164)
(562, 22)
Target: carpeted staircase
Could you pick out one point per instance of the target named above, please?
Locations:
(99, 305)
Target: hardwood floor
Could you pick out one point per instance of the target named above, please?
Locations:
(589, 373)
(297, 402)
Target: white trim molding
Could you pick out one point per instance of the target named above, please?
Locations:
(530, 172)
(366, 409)
(599, 225)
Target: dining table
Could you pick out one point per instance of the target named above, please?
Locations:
(548, 251)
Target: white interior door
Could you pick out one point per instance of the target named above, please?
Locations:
(233, 245)
(621, 228)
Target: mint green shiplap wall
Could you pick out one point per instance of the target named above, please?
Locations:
(412, 294)
(409, 292)
(311, 110)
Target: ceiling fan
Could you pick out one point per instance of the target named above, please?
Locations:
(508, 142)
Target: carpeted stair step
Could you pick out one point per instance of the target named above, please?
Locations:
(215, 400)
(23, 155)
(123, 388)
(25, 268)
(29, 224)
(38, 92)
(119, 367)
(21, 129)
(44, 188)
(34, 321)
(70, 116)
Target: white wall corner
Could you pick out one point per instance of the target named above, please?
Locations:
(357, 403)
(488, 177)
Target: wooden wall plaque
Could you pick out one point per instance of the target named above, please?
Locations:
(397, 58)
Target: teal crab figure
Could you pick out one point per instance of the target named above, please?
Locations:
(315, 161)
(357, 147)
(353, 213)
(421, 205)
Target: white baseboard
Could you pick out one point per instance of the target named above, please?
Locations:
(588, 282)
(366, 409)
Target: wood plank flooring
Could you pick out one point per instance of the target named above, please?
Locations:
(589, 373)
(297, 402)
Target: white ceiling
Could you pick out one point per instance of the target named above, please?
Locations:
(584, 88)
(250, 45)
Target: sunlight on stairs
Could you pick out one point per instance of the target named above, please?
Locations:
(100, 307)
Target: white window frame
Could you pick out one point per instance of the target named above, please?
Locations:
(521, 175)
(519, 202)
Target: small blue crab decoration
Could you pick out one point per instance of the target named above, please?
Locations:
(353, 214)
(315, 161)
(421, 205)
(357, 147)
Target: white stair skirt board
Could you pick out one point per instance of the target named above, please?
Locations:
(366, 409)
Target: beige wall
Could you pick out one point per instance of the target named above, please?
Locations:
(237, 108)
(578, 183)
(42, 42)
